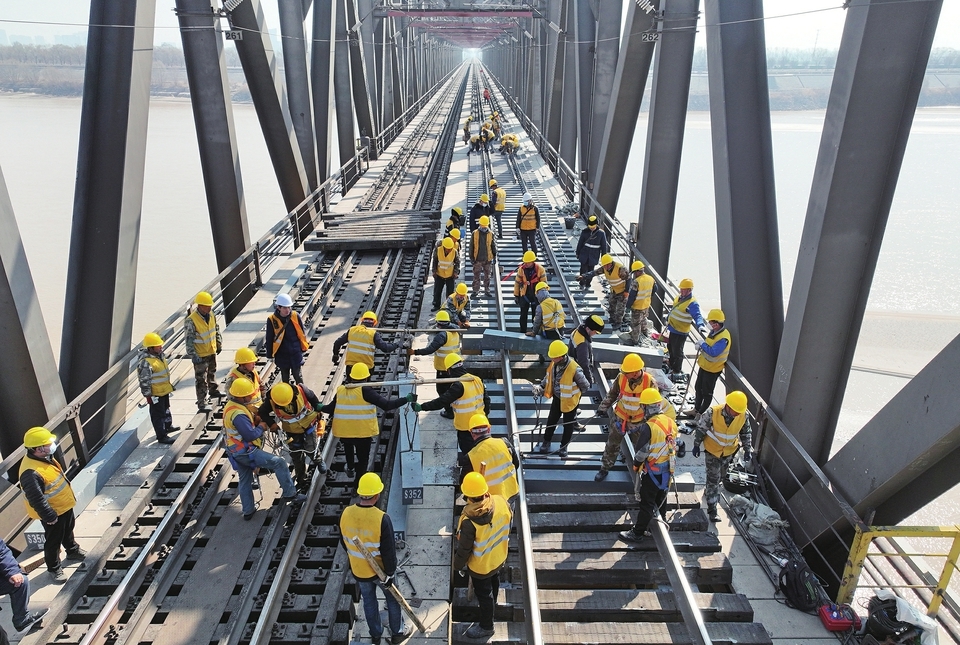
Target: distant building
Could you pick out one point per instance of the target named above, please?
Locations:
(79, 38)
(23, 40)
(3, 38)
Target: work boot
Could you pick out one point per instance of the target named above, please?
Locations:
(203, 406)
(351, 473)
(712, 513)
(165, 439)
(479, 633)
(562, 453)
(544, 448)
(600, 476)
(76, 555)
(631, 536)
(31, 620)
(402, 637)
(681, 450)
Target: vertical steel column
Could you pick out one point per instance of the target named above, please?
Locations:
(397, 70)
(872, 103)
(554, 74)
(570, 120)
(670, 90)
(30, 392)
(534, 92)
(368, 35)
(104, 240)
(586, 47)
(342, 78)
(293, 30)
(750, 285)
(216, 137)
(629, 82)
(321, 81)
(383, 61)
(366, 122)
(605, 66)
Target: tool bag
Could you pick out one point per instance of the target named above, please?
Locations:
(800, 586)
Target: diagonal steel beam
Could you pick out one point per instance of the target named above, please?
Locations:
(321, 83)
(298, 85)
(606, 58)
(367, 42)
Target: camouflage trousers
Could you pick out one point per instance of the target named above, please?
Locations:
(205, 377)
(638, 324)
(614, 439)
(616, 306)
(716, 467)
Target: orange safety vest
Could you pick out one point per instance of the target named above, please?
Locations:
(663, 437)
(628, 405)
(56, 488)
(279, 328)
(528, 218)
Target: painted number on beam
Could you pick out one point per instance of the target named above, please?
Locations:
(649, 36)
(412, 496)
(233, 34)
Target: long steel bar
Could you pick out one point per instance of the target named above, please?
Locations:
(297, 75)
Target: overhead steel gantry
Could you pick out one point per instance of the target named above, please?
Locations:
(579, 71)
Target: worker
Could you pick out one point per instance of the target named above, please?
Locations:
(564, 383)
(528, 222)
(486, 136)
(374, 528)
(486, 94)
(362, 341)
(464, 398)
(454, 235)
(498, 202)
(48, 496)
(549, 320)
(458, 306)
(153, 373)
(683, 314)
(475, 142)
(15, 583)
(286, 341)
(492, 457)
(622, 403)
(617, 276)
(483, 252)
(483, 538)
(443, 344)
(721, 431)
(455, 221)
(591, 245)
(495, 124)
(581, 344)
(466, 129)
(246, 367)
(655, 439)
(509, 144)
(711, 359)
(446, 270)
(203, 342)
(244, 444)
(478, 210)
(639, 295)
(528, 274)
(296, 410)
(355, 423)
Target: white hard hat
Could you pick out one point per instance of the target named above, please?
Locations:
(527, 197)
(284, 300)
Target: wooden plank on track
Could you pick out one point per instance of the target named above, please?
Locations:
(694, 519)
(554, 502)
(624, 568)
(635, 634)
(683, 541)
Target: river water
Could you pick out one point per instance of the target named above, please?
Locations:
(919, 263)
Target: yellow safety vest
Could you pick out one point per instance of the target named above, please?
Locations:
(354, 417)
(253, 377)
(628, 405)
(457, 302)
(452, 346)
(160, 379)
(360, 345)
(445, 262)
(299, 416)
(491, 541)
(500, 473)
(205, 343)
(489, 244)
(279, 329)
(234, 441)
(663, 433)
(569, 391)
(644, 292)
(56, 488)
(553, 317)
(722, 439)
(501, 199)
(679, 318)
(576, 338)
(714, 364)
(363, 522)
(528, 218)
(469, 404)
(617, 284)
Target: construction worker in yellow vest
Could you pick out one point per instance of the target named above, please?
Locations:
(617, 277)
(475, 142)
(528, 275)
(455, 221)
(623, 405)
(454, 234)
(203, 342)
(362, 341)
(296, 410)
(509, 143)
(442, 344)
(483, 252)
(458, 306)
(374, 528)
(721, 430)
(355, 423)
(564, 383)
(655, 438)
(714, 350)
(446, 270)
(528, 222)
(153, 372)
(466, 129)
(639, 296)
(483, 539)
(581, 344)
(246, 367)
(498, 203)
(286, 341)
(49, 498)
(463, 398)
(549, 321)
(492, 457)
(684, 313)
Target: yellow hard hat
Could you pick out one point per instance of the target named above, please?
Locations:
(369, 485)
(592, 220)
(369, 315)
(557, 349)
(737, 401)
(484, 198)
(716, 314)
(38, 436)
(631, 363)
(650, 396)
(540, 285)
(637, 265)
(493, 182)
(242, 387)
(594, 322)
(244, 355)
(152, 340)
(686, 283)
(281, 393)
(462, 289)
(451, 360)
(359, 372)
(448, 243)
(529, 256)
(479, 421)
(455, 233)
(204, 298)
(606, 259)
(474, 485)
(484, 220)
(443, 316)
(457, 210)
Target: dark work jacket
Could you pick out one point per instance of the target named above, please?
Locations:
(289, 354)
(476, 211)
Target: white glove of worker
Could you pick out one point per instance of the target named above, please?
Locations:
(537, 390)
(704, 330)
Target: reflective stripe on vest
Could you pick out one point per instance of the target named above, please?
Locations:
(232, 438)
(253, 377)
(528, 218)
(452, 346)
(56, 488)
(363, 522)
(644, 292)
(714, 364)
(354, 418)
(569, 390)
(679, 318)
(205, 342)
(552, 311)
(723, 439)
(469, 404)
(491, 541)
(500, 473)
(297, 417)
(617, 284)
(628, 405)
(160, 378)
(360, 345)
(280, 328)
(663, 433)
(445, 262)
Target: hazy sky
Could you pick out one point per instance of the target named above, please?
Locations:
(820, 22)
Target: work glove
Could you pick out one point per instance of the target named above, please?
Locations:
(636, 466)
(704, 330)
(537, 390)
(409, 351)
(334, 357)
(411, 398)
(389, 580)
(602, 410)
(696, 451)
(417, 407)
(219, 349)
